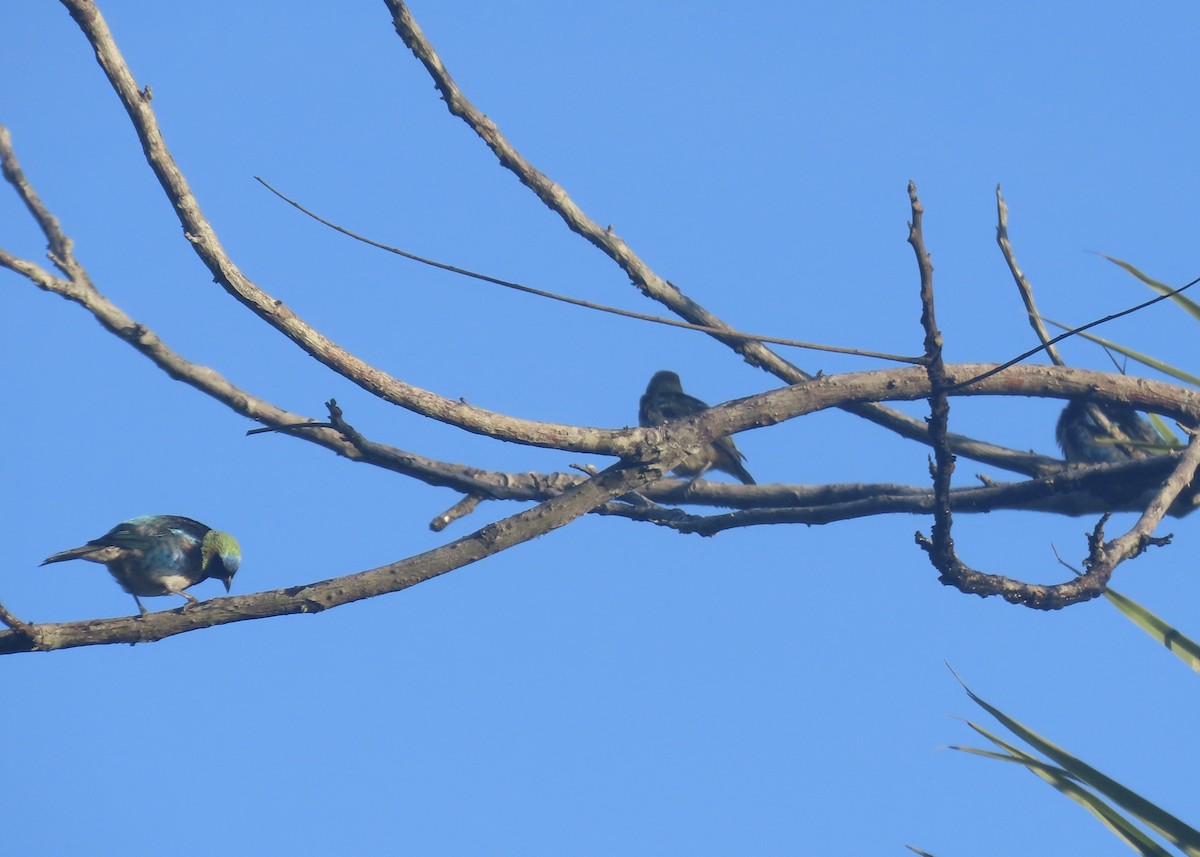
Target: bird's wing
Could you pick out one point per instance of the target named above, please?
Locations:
(675, 406)
(178, 523)
(143, 533)
(127, 536)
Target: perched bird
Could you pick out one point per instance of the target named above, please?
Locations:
(664, 401)
(161, 555)
(1085, 441)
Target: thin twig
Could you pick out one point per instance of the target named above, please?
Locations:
(940, 546)
(463, 507)
(529, 290)
(25, 629)
(208, 247)
(1023, 286)
(641, 275)
(458, 477)
(61, 250)
(1021, 357)
(1035, 319)
(1132, 543)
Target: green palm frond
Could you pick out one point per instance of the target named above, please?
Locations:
(1136, 356)
(1085, 785)
(1190, 306)
(1183, 647)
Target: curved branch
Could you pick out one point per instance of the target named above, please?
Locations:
(273, 311)
(763, 409)
(650, 284)
(847, 391)
(939, 546)
(1102, 489)
(531, 486)
(1104, 558)
(323, 595)
(646, 453)
(1073, 491)
(204, 241)
(666, 444)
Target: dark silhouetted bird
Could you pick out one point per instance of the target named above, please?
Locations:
(161, 555)
(664, 401)
(1084, 441)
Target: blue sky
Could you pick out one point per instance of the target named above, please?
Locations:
(610, 688)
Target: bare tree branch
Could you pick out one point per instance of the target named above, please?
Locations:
(347, 442)
(315, 597)
(1072, 491)
(653, 286)
(765, 409)
(1020, 358)
(940, 546)
(19, 628)
(1128, 486)
(1023, 286)
(1104, 556)
(477, 420)
(634, 487)
(834, 391)
(1139, 536)
(273, 311)
(461, 509)
(1025, 289)
(1019, 380)
(61, 250)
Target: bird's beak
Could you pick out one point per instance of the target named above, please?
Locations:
(228, 582)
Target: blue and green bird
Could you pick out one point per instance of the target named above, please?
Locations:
(1128, 436)
(161, 555)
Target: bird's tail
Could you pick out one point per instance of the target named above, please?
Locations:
(728, 458)
(743, 474)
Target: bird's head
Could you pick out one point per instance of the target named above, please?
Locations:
(220, 556)
(664, 382)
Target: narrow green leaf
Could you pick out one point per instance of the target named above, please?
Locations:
(1144, 359)
(1182, 835)
(1162, 288)
(1038, 767)
(1184, 648)
(1164, 431)
(1134, 837)
(1016, 752)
